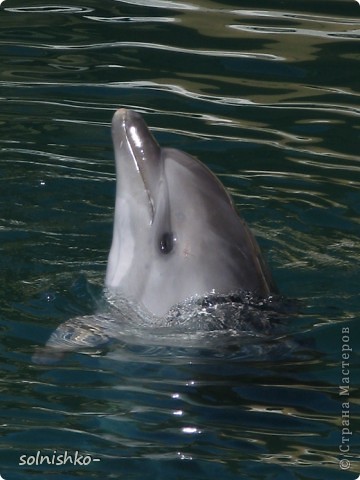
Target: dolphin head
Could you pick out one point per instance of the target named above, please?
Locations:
(176, 232)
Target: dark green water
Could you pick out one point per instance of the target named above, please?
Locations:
(268, 98)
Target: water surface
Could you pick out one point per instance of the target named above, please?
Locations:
(268, 98)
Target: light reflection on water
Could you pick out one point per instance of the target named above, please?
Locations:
(267, 98)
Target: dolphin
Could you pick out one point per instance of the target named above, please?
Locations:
(179, 251)
(176, 232)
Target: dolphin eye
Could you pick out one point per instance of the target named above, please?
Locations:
(166, 243)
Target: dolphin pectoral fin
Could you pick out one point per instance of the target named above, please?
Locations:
(76, 334)
(47, 356)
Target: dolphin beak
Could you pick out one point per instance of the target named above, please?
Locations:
(135, 148)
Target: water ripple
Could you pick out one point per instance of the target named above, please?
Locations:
(49, 9)
(131, 19)
(168, 4)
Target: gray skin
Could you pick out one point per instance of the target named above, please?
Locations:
(176, 236)
(176, 232)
